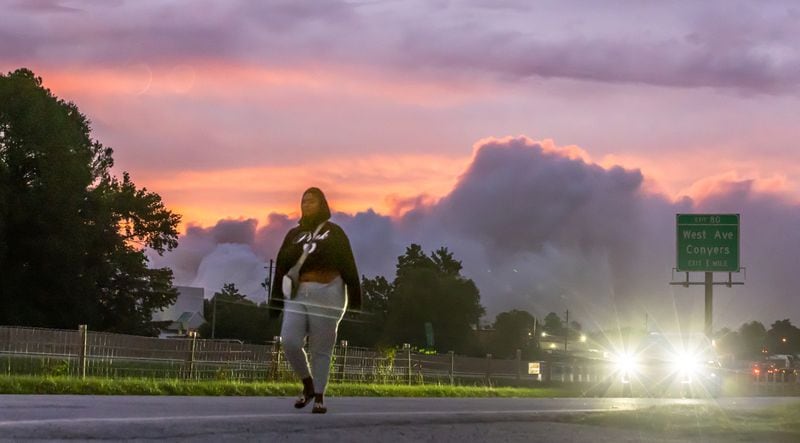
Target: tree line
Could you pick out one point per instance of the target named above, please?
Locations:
(397, 312)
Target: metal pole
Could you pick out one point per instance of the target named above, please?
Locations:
(83, 331)
(709, 303)
(519, 364)
(344, 359)
(452, 366)
(488, 369)
(276, 353)
(191, 355)
(407, 346)
(566, 332)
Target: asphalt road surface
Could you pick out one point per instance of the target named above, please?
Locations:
(350, 419)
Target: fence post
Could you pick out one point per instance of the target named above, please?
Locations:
(276, 357)
(192, 334)
(519, 364)
(344, 359)
(407, 347)
(489, 369)
(452, 365)
(84, 341)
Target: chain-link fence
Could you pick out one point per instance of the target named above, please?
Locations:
(82, 352)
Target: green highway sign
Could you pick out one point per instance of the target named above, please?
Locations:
(708, 242)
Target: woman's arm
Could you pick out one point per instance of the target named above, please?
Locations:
(349, 271)
(281, 267)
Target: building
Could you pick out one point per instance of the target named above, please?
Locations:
(185, 315)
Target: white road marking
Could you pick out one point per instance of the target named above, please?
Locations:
(48, 421)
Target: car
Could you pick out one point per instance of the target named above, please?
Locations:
(665, 365)
(773, 370)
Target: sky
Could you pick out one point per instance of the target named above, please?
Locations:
(548, 144)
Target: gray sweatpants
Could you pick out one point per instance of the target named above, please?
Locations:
(315, 312)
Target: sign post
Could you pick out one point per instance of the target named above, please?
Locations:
(708, 243)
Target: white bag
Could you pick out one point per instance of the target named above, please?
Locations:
(289, 287)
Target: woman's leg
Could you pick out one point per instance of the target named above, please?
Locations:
(325, 312)
(293, 335)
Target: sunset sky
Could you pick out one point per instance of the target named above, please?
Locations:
(230, 109)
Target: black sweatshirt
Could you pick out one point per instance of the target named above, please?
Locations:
(329, 251)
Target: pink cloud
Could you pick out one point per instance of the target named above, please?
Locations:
(353, 184)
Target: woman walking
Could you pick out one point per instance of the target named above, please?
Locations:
(316, 280)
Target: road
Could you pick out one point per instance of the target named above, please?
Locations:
(350, 419)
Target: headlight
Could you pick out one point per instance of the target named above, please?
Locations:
(625, 363)
(685, 363)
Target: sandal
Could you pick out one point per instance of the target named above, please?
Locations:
(306, 395)
(319, 406)
(302, 401)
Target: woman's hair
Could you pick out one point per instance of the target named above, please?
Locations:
(324, 211)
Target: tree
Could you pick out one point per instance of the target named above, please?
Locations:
(783, 338)
(72, 236)
(728, 342)
(553, 324)
(445, 263)
(237, 317)
(231, 292)
(513, 330)
(365, 330)
(432, 290)
(752, 337)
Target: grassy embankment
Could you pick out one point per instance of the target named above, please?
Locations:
(141, 386)
(63, 384)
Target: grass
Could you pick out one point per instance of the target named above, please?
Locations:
(19, 384)
(379, 390)
(701, 422)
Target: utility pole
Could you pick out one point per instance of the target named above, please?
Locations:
(267, 285)
(566, 332)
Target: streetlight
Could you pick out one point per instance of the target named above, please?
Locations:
(583, 338)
